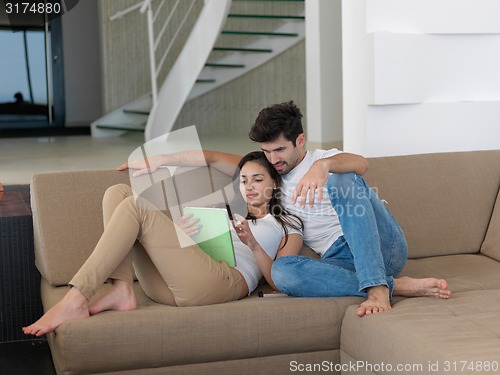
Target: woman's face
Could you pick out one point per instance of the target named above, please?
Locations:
(256, 184)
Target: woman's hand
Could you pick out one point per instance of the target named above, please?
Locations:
(188, 225)
(244, 233)
(147, 165)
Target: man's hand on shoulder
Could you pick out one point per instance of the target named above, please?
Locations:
(312, 183)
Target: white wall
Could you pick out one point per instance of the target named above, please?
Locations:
(323, 73)
(421, 76)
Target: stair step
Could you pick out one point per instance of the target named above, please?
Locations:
(121, 127)
(241, 49)
(205, 80)
(266, 16)
(141, 106)
(260, 33)
(136, 111)
(216, 65)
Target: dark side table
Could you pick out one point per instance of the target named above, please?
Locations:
(20, 302)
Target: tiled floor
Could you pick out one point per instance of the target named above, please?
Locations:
(20, 158)
(26, 358)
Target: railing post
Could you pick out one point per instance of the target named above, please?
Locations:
(152, 54)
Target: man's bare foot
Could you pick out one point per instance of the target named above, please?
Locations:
(73, 306)
(121, 297)
(377, 301)
(410, 287)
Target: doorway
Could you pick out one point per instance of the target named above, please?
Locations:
(31, 76)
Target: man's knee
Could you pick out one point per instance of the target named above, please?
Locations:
(342, 179)
(341, 182)
(342, 186)
(118, 190)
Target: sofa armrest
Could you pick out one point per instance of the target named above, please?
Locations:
(67, 219)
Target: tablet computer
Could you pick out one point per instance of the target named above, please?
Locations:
(214, 236)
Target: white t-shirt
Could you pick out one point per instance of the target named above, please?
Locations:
(268, 233)
(321, 222)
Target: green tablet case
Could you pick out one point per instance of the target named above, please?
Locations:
(214, 237)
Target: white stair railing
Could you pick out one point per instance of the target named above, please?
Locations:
(126, 11)
(154, 43)
(146, 6)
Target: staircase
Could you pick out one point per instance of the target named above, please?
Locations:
(245, 35)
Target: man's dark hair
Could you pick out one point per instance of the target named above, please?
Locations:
(284, 118)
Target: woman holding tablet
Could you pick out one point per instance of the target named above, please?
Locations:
(168, 273)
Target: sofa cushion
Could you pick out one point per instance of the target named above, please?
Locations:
(427, 331)
(443, 202)
(491, 244)
(464, 272)
(156, 335)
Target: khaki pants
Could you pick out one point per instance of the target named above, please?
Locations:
(134, 233)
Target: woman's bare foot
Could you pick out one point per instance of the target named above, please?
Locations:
(376, 302)
(121, 297)
(410, 287)
(74, 305)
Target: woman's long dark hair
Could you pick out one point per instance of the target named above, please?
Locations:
(276, 209)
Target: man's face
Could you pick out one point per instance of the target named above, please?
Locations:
(282, 154)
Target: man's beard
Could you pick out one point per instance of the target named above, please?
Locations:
(286, 168)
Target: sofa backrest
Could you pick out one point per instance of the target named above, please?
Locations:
(444, 202)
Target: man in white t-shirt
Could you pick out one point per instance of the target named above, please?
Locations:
(361, 245)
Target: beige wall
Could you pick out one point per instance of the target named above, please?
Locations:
(231, 108)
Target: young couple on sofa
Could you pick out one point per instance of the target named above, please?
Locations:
(293, 196)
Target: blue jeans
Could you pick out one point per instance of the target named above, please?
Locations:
(371, 252)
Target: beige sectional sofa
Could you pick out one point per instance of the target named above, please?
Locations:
(449, 207)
